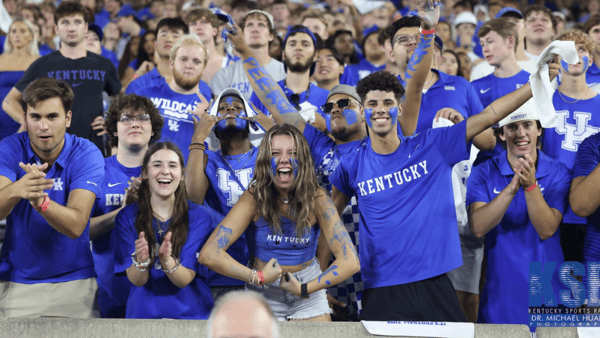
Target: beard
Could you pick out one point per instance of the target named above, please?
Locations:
(298, 67)
(184, 82)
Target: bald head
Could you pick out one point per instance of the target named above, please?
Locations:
(242, 314)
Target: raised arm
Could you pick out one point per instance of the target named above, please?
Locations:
(214, 253)
(196, 180)
(418, 67)
(12, 105)
(267, 90)
(346, 260)
(502, 107)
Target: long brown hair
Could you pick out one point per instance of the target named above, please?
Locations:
(303, 191)
(179, 224)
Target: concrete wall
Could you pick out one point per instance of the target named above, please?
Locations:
(134, 328)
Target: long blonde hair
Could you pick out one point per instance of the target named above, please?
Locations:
(304, 189)
(32, 48)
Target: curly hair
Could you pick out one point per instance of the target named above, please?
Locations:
(380, 80)
(303, 192)
(179, 224)
(131, 103)
(579, 37)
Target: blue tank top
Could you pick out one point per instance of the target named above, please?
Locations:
(8, 79)
(285, 247)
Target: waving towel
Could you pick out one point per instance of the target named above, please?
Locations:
(540, 81)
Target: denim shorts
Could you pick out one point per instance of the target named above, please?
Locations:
(288, 306)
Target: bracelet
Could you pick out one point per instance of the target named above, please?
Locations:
(135, 76)
(426, 32)
(42, 207)
(197, 146)
(261, 278)
(304, 291)
(253, 274)
(531, 187)
(140, 266)
(174, 268)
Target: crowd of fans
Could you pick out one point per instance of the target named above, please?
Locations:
(209, 147)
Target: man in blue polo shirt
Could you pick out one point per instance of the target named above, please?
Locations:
(49, 181)
(299, 56)
(409, 238)
(499, 39)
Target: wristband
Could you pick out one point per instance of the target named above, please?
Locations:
(531, 187)
(304, 291)
(261, 278)
(174, 268)
(140, 266)
(42, 207)
(197, 146)
(426, 32)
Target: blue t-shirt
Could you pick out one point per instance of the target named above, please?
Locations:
(314, 96)
(113, 290)
(402, 240)
(587, 159)
(173, 107)
(222, 194)
(153, 78)
(592, 76)
(159, 297)
(354, 73)
(489, 89)
(514, 243)
(576, 121)
(109, 54)
(142, 14)
(33, 251)
(448, 92)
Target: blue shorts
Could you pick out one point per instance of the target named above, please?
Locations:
(288, 306)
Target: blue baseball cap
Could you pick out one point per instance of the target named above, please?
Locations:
(300, 29)
(438, 42)
(96, 29)
(509, 10)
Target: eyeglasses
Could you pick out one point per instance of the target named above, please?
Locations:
(404, 39)
(128, 119)
(341, 103)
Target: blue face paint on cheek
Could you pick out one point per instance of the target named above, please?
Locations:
(296, 166)
(586, 63)
(241, 124)
(274, 165)
(393, 114)
(350, 116)
(368, 115)
(565, 65)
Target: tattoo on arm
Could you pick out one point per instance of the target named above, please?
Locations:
(330, 269)
(341, 235)
(273, 93)
(420, 52)
(223, 236)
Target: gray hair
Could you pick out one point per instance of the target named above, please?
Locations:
(242, 295)
(32, 48)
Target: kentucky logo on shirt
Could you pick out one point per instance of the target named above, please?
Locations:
(414, 172)
(78, 75)
(231, 187)
(115, 199)
(287, 239)
(574, 134)
(58, 184)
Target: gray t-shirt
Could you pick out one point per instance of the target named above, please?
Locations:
(233, 76)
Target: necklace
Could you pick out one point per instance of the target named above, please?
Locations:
(577, 100)
(286, 201)
(227, 158)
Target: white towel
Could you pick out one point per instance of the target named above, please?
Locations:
(5, 19)
(540, 80)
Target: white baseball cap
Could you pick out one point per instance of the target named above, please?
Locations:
(525, 112)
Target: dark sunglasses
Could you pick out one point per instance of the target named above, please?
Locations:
(341, 103)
